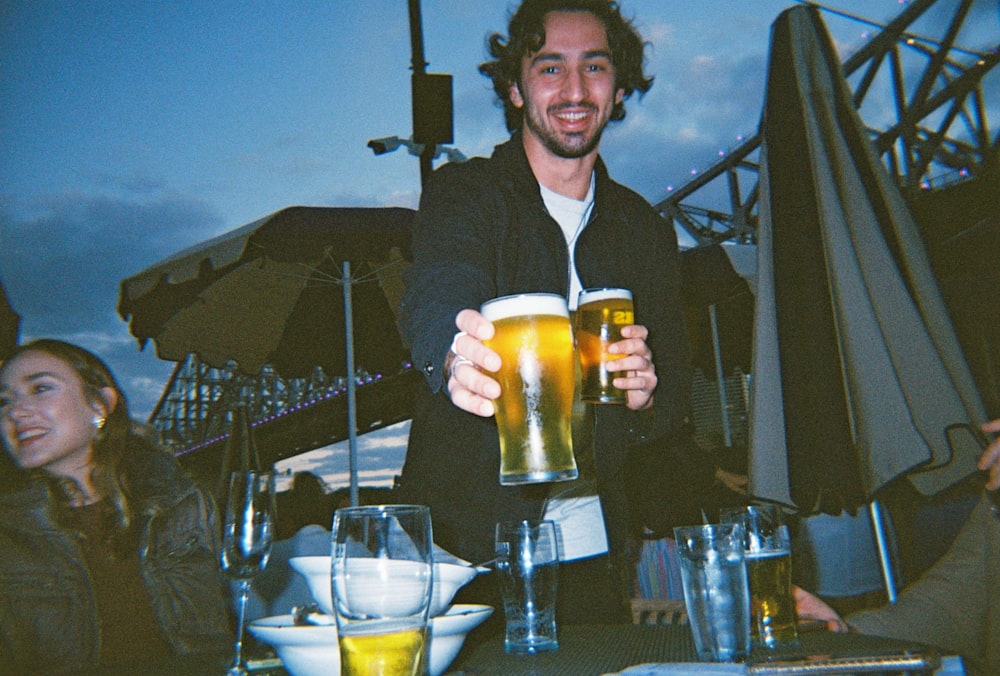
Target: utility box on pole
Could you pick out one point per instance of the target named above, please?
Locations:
(432, 109)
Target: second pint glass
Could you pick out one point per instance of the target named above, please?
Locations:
(534, 412)
(769, 570)
(600, 316)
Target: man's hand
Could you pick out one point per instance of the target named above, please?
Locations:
(989, 461)
(737, 483)
(638, 377)
(469, 386)
(810, 607)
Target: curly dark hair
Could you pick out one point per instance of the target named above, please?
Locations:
(526, 35)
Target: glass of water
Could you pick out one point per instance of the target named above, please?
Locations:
(716, 593)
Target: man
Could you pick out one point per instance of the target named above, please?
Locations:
(956, 604)
(542, 215)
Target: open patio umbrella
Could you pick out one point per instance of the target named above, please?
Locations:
(858, 377)
(300, 288)
(10, 325)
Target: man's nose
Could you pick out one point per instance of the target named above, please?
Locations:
(575, 85)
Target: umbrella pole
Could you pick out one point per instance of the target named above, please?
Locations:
(352, 410)
(717, 350)
(878, 526)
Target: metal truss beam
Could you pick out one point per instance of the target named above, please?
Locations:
(941, 129)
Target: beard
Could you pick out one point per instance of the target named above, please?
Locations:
(567, 146)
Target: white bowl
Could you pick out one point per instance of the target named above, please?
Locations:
(448, 579)
(311, 650)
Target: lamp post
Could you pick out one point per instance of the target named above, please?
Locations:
(389, 144)
(419, 67)
(432, 108)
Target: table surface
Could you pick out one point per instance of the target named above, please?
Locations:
(586, 650)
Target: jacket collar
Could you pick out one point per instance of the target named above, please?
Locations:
(157, 481)
(511, 156)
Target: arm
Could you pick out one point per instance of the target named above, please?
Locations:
(453, 266)
(948, 606)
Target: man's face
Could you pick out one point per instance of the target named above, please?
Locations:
(567, 87)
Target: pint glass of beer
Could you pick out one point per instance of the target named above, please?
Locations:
(600, 316)
(534, 412)
(381, 580)
(768, 552)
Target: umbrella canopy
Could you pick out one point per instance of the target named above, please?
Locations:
(10, 325)
(858, 377)
(271, 292)
(282, 291)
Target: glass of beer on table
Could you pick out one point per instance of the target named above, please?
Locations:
(768, 553)
(381, 574)
(534, 339)
(600, 316)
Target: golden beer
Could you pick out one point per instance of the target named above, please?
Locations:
(398, 653)
(600, 316)
(772, 607)
(534, 339)
(768, 548)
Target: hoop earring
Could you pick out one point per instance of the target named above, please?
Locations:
(99, 422)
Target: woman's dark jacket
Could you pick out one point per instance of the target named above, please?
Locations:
(482, 231)
(48, 617)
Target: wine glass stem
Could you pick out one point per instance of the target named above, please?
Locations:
(244, 595)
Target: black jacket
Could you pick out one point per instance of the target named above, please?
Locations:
(48, 619)
(482, 231)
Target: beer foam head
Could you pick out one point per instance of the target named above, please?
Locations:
(525, 304)
(594, 295)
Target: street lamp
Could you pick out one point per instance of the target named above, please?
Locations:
(389, 144)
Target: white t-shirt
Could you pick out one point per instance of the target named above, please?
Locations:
(572, 216)
(575, 506)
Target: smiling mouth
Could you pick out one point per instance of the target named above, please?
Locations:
(29, 436)
(574, 114)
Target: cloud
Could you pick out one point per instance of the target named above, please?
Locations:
(62, 259)
(380, 459)
(62, 266)
(699, 112)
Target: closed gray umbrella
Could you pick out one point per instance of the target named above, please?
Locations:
(858, 377)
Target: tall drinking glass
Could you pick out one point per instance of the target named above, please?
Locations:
(246, 540)
(527, 567)
(537, 379)
(600, 316)
(716, 595)
(769, 568)
(382, 573)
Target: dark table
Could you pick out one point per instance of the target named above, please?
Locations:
(586, 650)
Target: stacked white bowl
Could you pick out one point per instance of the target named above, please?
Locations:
(312, 650)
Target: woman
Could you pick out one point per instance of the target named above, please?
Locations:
(108, 553)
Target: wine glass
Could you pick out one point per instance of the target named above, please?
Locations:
(246, 540)
(381, 574)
